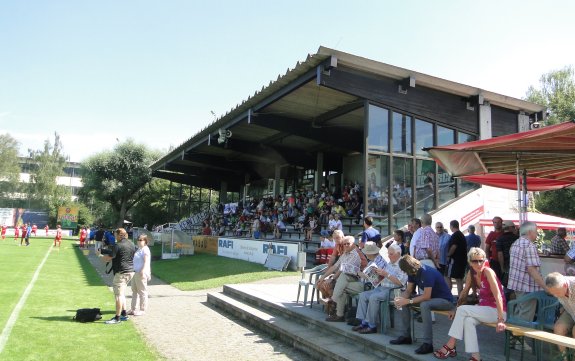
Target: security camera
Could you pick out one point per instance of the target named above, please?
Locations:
(224, 135)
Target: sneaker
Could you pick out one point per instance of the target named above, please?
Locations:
(113, 321)
(138, 313)
(130, 312)
(124, 318)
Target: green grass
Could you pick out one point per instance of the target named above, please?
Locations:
(204, 271)
(44, 329)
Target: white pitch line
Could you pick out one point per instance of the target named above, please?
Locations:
(16, 312)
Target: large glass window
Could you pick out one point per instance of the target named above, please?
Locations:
(402, 179)
(423, 136)
(378, 175)
(465, 138)
(445, 186)
(425, 186)
(445, 136)
(378, 130)
(401, 133)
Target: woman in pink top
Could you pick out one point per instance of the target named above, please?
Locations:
(491, 307)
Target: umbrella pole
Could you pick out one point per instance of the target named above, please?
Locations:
(525, 196)
(519, 208)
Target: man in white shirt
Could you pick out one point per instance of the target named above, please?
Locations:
(416, 225)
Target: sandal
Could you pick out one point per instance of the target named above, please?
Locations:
(449, 352)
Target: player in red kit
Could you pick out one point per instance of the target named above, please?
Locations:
(4, 231)
(82, 237)
(34, 229)
(46, 229)
(58, 237)
(16, 233)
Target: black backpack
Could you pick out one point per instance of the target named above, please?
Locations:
(88, 315)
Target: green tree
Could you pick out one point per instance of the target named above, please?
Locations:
(152, 209)
(47, 165)
(9, 167)
(119, 177)
(556, 92)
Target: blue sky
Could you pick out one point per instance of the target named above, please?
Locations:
(153, 71)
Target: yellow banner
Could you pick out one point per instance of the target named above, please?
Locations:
(68, 217)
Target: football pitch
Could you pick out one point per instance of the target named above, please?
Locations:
(41, 290)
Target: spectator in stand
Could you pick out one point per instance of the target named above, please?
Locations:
(491, 246)
(559, 244)
(427, 247)
(368, 304)
(436, 296)
(563, 287)
(457, 255)
(472, 239)
(206, 230)
(399, 238)
(312, 224)
(524, 270)
(444, 238)
(325, 249)
(338, 249)
(491, 308)
(338, 224)
(345, 269)
(369, 233)
(504, 243)
(279, 228)
(416, 235)
(331, 225)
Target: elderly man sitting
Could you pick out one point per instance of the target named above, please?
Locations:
(345, 269)
(563, 287)
(368, 305)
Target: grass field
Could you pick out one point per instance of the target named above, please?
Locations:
(44, 329)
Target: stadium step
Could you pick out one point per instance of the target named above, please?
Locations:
(303, 328)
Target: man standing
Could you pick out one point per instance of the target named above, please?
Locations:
(99, 238)
(122, 259)
(28, 233)
(34, 229)
(58, 237)
(504, 243)
(443, 249)
(368, 304)
(436, 296)
(457, 255)
(427, 247)
(416, 235)
(369, 234)
(559, 244)
(524, 273)
(472, 239)
(345, 269)
(46, 229)
(24, 229)
(563, 288)
(491, 245)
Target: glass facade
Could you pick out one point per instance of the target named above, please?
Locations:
(402, 180)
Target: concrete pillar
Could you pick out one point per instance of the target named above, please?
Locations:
(277, 180)
(485, 121)
(522, 122)
(223, 192)
(319, 171)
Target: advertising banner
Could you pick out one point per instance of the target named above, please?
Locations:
(256, 251)
(68, 217)
(12, 217)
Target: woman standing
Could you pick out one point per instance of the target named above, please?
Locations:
(491, 307)
(142, 275)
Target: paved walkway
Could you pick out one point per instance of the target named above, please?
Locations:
(181, 326)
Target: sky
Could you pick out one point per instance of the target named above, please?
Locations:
(101, 72)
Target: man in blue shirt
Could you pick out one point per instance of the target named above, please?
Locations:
(472, 239)
(369, 234)
(436, 296)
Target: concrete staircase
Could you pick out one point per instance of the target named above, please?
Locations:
(303, 328)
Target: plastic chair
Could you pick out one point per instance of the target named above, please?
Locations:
(309, 277)
(385, 308)
(545, 316)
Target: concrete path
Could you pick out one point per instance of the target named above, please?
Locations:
(181, 326)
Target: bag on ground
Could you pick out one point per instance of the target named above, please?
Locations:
(88, 315)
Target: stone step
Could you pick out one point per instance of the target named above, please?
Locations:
(310, 340)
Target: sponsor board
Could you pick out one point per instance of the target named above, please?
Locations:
(256, 250)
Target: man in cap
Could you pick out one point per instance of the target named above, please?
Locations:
(504, 243)
(393, 276)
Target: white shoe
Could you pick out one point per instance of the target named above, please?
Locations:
(139, 313)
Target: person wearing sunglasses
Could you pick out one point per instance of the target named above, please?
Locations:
(491, 308)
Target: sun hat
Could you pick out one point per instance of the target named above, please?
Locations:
(370, 248)
(508, 224)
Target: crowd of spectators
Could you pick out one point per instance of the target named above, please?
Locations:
(309, 212)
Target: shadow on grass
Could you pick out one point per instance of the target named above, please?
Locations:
(91, 275)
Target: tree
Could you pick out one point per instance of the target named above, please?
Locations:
(119, 177)
(47, 165)
(557, 93)
(9, 167)
(152, 208)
